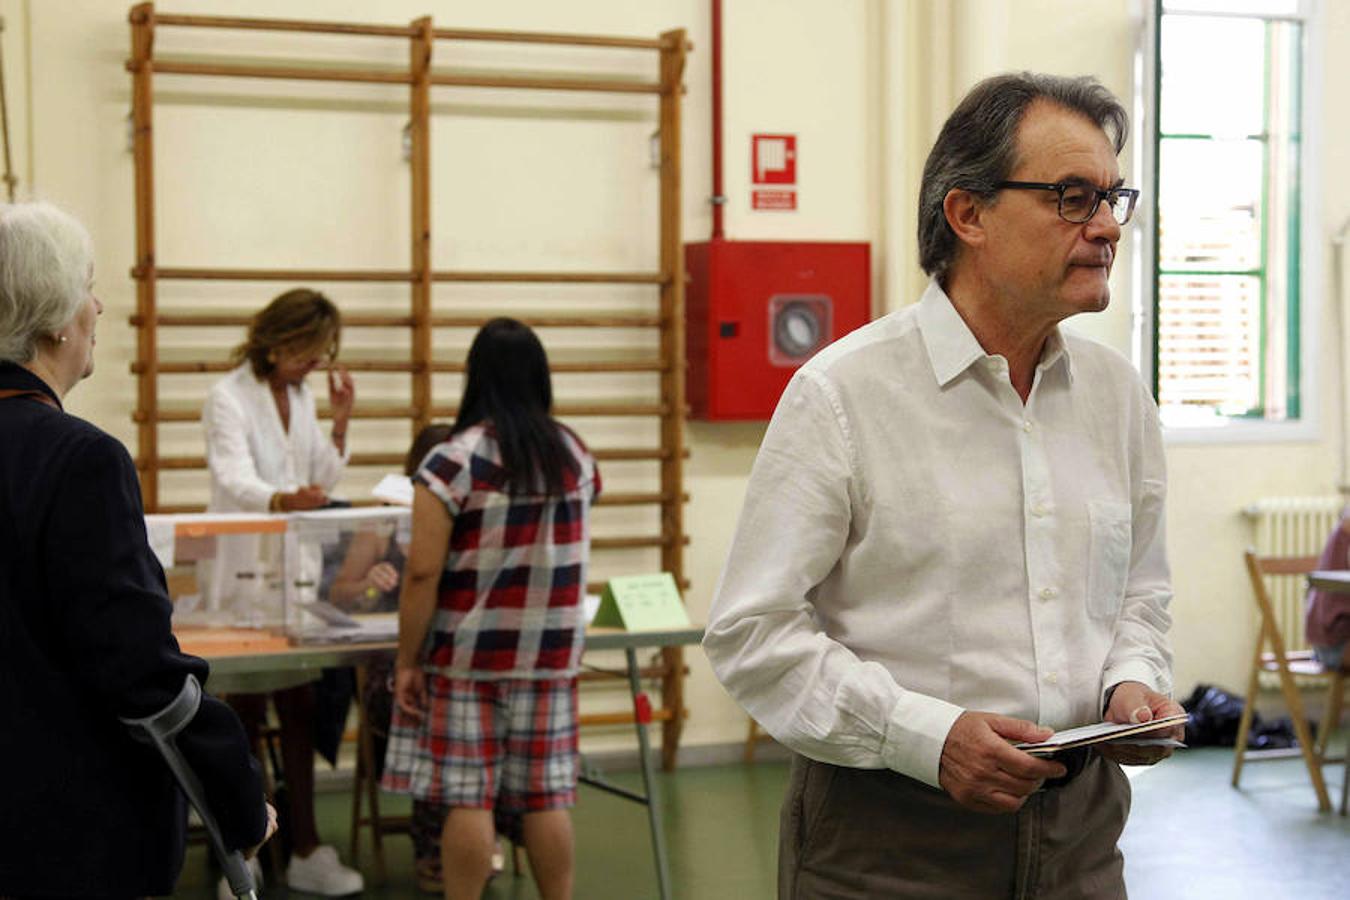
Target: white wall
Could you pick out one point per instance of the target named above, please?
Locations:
(257, 173)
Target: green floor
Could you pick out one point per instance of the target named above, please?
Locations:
(1190, 836)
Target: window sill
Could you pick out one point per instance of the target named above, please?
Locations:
(1243, 432)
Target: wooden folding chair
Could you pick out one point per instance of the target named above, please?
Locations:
(1287, 664)
(366, 787)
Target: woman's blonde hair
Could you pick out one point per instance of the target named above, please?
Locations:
(300, 319)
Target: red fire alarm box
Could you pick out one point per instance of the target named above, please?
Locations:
(756, 310)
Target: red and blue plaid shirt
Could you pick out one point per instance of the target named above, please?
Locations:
(509, 604)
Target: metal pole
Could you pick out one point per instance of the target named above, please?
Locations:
(649, 782)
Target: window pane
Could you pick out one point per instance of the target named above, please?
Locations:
(1213, 76)
(1210, 347)
(1209, 204)
(1253, 7)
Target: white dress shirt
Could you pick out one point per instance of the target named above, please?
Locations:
(251, 455)
(916, 542)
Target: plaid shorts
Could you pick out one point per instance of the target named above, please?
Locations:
(509, 744)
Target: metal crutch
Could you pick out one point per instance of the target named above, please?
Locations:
(159, 730)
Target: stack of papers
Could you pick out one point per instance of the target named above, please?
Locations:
(364, 629)
(1084, 735)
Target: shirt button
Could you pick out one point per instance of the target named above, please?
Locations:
(1052, 678)
(1048, 593)
(1039, 510)
(1026, 426)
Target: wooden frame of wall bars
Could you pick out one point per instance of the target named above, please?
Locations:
(421, 35)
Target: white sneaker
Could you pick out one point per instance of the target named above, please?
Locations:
(323, 873)
(223, 891)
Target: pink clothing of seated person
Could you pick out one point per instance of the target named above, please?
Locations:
(1328, 614)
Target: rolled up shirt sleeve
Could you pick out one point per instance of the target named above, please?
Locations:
(807, 689)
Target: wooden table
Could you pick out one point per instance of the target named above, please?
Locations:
(242, 665)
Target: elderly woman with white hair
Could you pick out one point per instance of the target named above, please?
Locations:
(84, 614)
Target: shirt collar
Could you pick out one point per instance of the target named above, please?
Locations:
(14, 376)
(952, 347)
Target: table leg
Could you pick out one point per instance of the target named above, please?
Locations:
(649, 782)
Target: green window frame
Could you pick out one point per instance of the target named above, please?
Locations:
(1227, 216)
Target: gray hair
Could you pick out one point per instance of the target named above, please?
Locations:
(45, 258)
(977, 147)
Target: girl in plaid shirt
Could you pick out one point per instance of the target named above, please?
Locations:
(490, 619)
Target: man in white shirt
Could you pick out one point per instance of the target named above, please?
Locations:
(952, 539)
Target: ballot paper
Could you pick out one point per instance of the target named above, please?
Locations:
(364, 629)
(1084, 735)
(394, 489)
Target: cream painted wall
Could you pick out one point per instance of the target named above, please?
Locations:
(864, 83)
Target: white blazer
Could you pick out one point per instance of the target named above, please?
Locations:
(250, 454)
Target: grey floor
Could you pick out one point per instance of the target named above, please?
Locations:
(1190, 836)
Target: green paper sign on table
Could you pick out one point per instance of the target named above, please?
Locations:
(641, 603)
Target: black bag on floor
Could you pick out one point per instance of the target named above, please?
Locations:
(1215, 715)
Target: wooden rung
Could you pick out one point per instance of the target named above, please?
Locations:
(404, 31)
(553, 277)
(586, 676)
(194, 415)
(1287, 565)
(219, 320)
(631, 455)
(189, 274)
(579, 409)
(354, 365)
(182, 273)
(284, 25)
(199, 462)
(174, 462)
(635, 499)
(523, 37)
(377, 365)
(621, 718)
(376, 320)
(617, 365)
(395, 460)
(598, 587)
(292, 73)
(580, 321)
(545, 83)
(628, 543)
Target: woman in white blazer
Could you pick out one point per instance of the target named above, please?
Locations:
(267, 452)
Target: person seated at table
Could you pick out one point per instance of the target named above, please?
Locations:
(85, 638)
(267, 453)
(486, 700)
(1327, 620)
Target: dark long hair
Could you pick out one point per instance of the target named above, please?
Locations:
(428, 437)
(508, 386)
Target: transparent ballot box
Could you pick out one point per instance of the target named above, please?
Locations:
(346, 569)
(224, 570)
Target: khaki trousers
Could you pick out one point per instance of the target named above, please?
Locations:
(872, 833)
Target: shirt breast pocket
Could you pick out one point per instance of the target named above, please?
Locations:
(1109, 557)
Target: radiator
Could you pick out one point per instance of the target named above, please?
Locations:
(1289, 526)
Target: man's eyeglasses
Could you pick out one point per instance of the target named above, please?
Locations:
(1078, 202)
